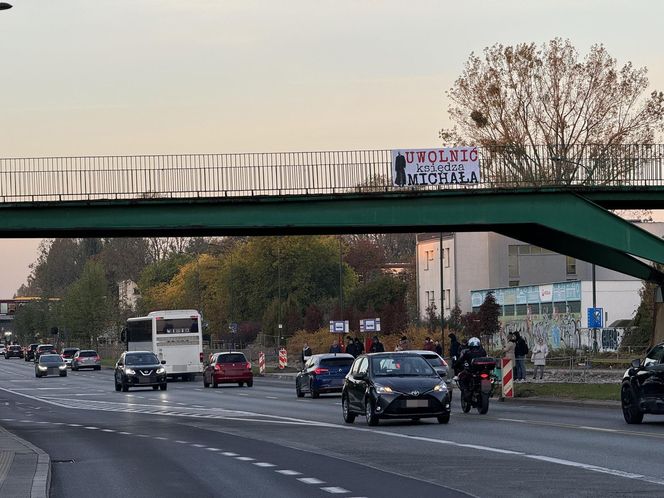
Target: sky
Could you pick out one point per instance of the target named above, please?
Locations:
(104, 77)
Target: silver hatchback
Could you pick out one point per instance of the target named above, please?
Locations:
(86, 358)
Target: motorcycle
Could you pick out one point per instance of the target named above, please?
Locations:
(476, 384)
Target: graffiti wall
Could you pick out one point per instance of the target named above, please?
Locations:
(558, 331)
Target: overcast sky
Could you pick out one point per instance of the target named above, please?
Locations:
(82, 77)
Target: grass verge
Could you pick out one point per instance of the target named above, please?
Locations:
(569, 391)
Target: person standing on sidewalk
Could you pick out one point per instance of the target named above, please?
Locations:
(520, 352)
(540, 352)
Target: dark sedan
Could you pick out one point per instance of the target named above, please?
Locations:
(642, 389)
(13, 351)
(50, 364)
(140, 369)
(323, 373)
(394, 385)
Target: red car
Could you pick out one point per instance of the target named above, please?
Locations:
(228, 367)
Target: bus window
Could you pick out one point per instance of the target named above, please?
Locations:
(139, 331)
(178, 326)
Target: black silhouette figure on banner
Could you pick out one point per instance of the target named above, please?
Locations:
(400, 168)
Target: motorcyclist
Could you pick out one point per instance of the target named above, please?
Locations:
(474, 350)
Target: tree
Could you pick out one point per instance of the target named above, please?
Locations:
(488, 317)
(579, 109)
(454, 320)
(366, 257)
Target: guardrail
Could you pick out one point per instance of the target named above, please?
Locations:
(327, 172)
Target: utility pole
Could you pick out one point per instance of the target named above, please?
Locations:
(442, 297)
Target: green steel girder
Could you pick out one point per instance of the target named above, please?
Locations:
(558, 220)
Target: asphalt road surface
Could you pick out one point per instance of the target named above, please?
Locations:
(263, 441)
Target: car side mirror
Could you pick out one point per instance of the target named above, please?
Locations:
(163, 362)
(636, 363)
(442, 372)
(361, 375)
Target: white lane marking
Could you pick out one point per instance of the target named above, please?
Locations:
(161, 438)
(197, 406)
(264, 464)
(229, 454)
(271, 397)
(289, 472)
(213, 449)
(245, 459)
(125, 433)
(143, 435)
(74, 425)
(7, 419)
(310, 480)
(92, 428)
(107, 430)
(199, 445)
(335, 490)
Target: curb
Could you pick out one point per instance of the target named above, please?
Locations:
(542, 400)
(41, 482)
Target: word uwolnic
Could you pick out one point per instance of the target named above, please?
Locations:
(446, 166)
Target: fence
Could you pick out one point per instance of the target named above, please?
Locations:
(331, 172)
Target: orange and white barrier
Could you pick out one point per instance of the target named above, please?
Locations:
(508, 377)
(283, 358)
(261, 363)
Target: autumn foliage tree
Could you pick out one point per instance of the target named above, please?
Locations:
(549, 115)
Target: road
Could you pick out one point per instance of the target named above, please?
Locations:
(263, 441)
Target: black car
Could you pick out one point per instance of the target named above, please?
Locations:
(642, 388)
(13, 351)
(394, 385)
(50, 364)
(323, 373)
(140, 369)
(44, 349)
(30, 352)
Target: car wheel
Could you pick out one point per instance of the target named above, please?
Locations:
(98, 367)
(444, 419)
(154, 388)
(298, 391)
(484, 403)
(415, 419)
(214, 384)
(314, 394)
(205, 382)
(163, 386)
(125, 387)
(118, 387)
(250, 383)
(37, 375)
(240, 384)
(63, 374)
(370, 413)
(629, 403)
(74, 368)
(349, 417)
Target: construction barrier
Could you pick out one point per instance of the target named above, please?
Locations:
(283, 358)
(508, 380)
(261, 363)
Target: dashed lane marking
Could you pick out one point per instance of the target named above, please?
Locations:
(229, 454)
(287, 472)
(335, 490)
(245, 459)
(310, 480)
(264, 464)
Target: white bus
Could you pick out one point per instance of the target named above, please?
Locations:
(173, 335)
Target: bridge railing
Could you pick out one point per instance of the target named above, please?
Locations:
(330, 172)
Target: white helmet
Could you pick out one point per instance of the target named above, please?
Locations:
(473, 342)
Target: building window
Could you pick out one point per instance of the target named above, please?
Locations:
(513, 258)
(431, 298)
(447, 299)
(571, 265)
(447, 257)
(514, 283)
(428, 256)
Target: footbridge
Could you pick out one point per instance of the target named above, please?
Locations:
(557, 198)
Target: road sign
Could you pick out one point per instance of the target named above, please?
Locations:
(595, 318)
(339, 326)
(370, 325)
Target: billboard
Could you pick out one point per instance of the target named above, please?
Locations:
(438, 166)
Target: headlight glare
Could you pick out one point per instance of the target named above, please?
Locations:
(440, 387)
(161, 370)
(63, 367)
(383, 389)
(130, 371)
(42, 368)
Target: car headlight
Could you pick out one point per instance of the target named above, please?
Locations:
(383, 389)
(42, 368)
(130, 371)
(440, 387)
(161, 370)
(63, 367)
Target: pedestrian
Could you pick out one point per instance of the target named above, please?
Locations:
(540, 352)
(438, 348)
(520, 352)
(428, 344)
(359, 347)
(350, 347)
(306, 353)
(335, 347)
(376, 345)
(403, 345)
(455, 347)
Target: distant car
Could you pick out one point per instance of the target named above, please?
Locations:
(2, 349)
(50, 364)
(45, 349)
(642, 389)
(228, 367)
(439, 365)
(13, 351)
(30, 352)
(68, 354)
(394, 385)
(86, 358)
(323, 373)
(139, 369)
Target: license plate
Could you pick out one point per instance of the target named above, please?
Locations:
(143, 380)
(417, 403)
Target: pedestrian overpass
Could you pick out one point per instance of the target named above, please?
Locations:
(551, 198)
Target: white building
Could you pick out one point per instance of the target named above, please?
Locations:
(128, 294)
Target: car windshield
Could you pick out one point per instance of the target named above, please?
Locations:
(141, 359)
(401, 366)
(15, 348)
(45, 347)
(50, 358)
(231, 358)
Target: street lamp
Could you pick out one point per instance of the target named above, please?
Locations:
(5, 6)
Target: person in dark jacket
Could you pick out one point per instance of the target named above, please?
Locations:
(428, 344)
(455, 347)
(474, 350)
(438, 348)
(306, 353)
(520, 352)
(359, 347)
(335, 347)
(376, 345)
(350, 347)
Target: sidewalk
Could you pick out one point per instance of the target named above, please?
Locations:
(25, 470)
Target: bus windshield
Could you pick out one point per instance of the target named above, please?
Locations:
(177, 325)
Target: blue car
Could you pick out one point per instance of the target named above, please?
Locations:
(323, 373)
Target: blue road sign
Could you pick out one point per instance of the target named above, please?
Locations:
(595, 318)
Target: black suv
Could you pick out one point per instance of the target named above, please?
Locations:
(13, 351)
(642, 388)
(140, 369)
(30, 352)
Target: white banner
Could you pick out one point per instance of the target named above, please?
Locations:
(442, 166)
(546, 293)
